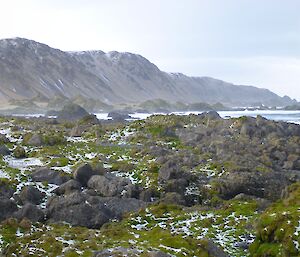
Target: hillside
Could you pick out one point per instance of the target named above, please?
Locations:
(31, 70)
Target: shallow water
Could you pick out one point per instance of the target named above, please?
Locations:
(277, 115)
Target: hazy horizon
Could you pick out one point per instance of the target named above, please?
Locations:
(247, 42)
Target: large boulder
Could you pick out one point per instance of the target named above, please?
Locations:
(71, 112)
(7, 208)
(31, 212)
(84, 172)
(109, 185)
(68, 187)
(119, 115)
(259, 184)
(81, 209)
(45, 174)
(78, 209)
(6, 191)
(30, 194)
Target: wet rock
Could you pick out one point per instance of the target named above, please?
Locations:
(31, 212)
(83, 173)
(68, 187)
(4, 150)
(7, 208)
(45, 174)
(31, 194)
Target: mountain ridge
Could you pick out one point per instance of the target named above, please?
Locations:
(29, 69)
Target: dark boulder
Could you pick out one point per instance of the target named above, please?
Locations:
(31, 194)
(212, 115)
(7, 208)
(119, 115)
(121, 206)
(4, 150)
(81, 209)
(68, 187)
(31, 212)
(6, 191)
(78, 209)
(259, 184)
(84, 172)
(45, 174)
(71, 112)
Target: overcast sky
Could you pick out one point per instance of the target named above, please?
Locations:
(253, 42)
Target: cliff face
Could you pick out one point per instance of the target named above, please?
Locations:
(29, 69)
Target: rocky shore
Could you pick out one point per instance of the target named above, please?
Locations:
(195, 185)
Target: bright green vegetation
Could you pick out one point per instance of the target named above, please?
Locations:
(278, 228)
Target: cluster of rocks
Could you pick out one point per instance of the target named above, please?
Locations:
(90, 198)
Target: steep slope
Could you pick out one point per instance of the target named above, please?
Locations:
(29, 69)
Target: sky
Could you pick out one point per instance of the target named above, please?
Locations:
(246, 42)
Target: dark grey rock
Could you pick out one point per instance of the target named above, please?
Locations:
(7, 208)
(4, 150)
(31, 212)
(81, 209)
(83, 173)
(45, 174)
(68, 187)
(72, 112)
(6, 191)
(31, 194)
